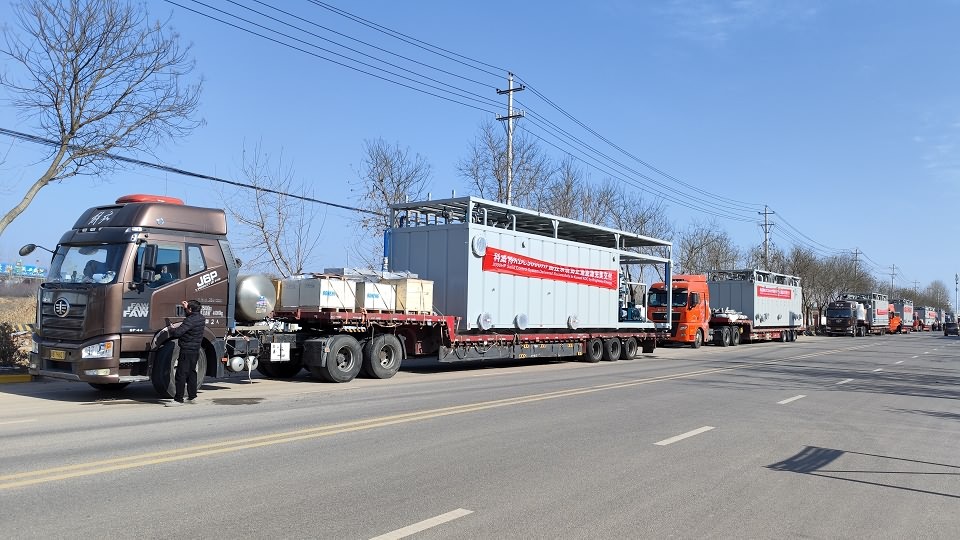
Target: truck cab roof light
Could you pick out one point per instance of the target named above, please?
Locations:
(142, 198)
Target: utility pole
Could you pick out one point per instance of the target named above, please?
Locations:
(956, 291)
(509, 119)
(893, 273)
(916, 288)
(856, 265)
(766, 236)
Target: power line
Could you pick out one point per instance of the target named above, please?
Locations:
(184, 172)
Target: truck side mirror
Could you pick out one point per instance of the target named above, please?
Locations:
(148, 263)
(694, 300)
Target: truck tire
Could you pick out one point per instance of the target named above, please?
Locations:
(628, 350)
(611, 349)
(164, 372)
(783, 336)
(109, 387)
(648, 346)
(382, 356)
(279, 370)
(734, 336)
(698, 340)
(343, 361)
(594, 351)
(724, 337)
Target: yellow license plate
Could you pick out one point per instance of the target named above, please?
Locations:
(58, 355)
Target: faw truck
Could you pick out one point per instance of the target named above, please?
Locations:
(470, 280)
(858, 314)
(729, 307)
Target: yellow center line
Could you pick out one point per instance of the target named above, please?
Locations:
(52, 474)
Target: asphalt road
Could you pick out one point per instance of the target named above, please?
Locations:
(822, 438)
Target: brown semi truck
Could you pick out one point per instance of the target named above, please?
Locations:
(118, 276)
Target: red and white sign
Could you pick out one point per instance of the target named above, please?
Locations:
(881, 311)
(774, 292)
(504, 262)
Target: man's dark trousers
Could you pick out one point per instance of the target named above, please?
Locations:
(186, 374)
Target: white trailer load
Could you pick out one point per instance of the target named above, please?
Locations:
(904, 308)
(876, 306)
(768, 299)
(502, 268)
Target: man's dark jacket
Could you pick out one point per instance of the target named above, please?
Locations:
(190, 332)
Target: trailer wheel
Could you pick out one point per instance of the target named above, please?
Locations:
(279, 370)
(628, 350)
(115, 387)
(594, 351)
(783, 336)
(382, 356)
(164, 373)
(698, 340)
(649, 345)
(734, 336)
(611, 349)
(343, 361)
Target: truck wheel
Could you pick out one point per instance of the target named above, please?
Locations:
(109, 387)
(382, 356)
(164, 373)
(734, 336)
(343, 361)
(783, 336)
(279, 370)
(594, 351)
(724, 337)
(611, 349)
(698, 340)
(629, 349)
(649, 345)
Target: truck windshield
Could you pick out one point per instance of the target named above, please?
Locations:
(658, 298)
(86, 264)
(839, 313)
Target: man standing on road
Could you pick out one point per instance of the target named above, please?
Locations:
(190, 334)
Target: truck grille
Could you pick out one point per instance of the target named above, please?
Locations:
(69, 327)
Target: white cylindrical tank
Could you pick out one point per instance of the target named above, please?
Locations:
(256, 297)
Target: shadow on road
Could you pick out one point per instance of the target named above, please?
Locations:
(814, 460)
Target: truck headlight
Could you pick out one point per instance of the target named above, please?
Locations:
(681, 328)
(35, 347)
(100, 350)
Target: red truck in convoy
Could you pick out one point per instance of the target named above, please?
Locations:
(729, 307)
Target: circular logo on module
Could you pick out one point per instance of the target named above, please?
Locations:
(61, 307)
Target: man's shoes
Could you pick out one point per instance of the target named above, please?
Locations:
(191, 401)
(173, 404)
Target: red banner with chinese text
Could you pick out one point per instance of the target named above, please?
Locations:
(504, 262)
(774, 292)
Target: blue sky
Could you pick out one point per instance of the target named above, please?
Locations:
(842, 116)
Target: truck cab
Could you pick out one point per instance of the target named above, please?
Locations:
(117, 277)
(690, 306)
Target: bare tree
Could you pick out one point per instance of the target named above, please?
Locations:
(96, 78)
(486, 167)
(704, 247)
(276, 228)
(388, 175)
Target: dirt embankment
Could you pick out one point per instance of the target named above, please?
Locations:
(18, 310)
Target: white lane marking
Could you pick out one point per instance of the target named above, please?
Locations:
(794, 398)
(423, 525)
(926, 352)
(878, 369)
(683, 436)
(845, 381)
(18, 421)
(898, 362)
(913, 357)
